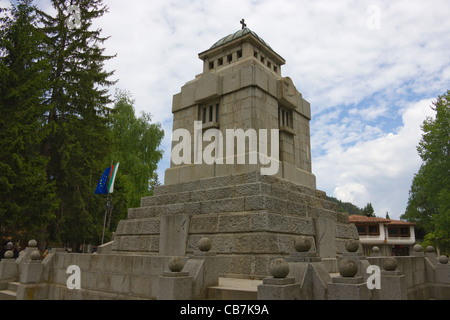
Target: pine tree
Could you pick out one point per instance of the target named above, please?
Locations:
(368, 210)
(78, 116)
(27, 199)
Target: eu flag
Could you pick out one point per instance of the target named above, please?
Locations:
(102, 186)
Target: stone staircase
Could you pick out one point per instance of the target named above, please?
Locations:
(250, 219)
(10, 292)
(205, 199)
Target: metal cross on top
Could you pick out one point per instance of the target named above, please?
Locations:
(243, 24)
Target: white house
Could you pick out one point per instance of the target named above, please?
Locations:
(393, 237)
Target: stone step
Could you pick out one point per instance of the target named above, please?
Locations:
(208, 194)
(227, 191)
(141, 226)
(7, 295)
(235, 223)
(260, 243)
(12, 286)
(209, 183)
(232, 180)
(136, 244)
(240, 204)
(144, 212)
(234, 289)
(283, 193)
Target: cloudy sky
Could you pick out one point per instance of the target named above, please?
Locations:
(370, 70)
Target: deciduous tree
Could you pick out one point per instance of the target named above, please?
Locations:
(429, 196)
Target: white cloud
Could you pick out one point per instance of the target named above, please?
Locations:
(379, 170)
(369, 113)
(348, 192)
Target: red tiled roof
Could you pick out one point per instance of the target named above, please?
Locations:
(363, 219)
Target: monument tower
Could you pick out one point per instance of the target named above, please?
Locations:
(250, 217)
(242, 87)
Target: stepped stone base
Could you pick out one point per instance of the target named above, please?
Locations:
(250, 219)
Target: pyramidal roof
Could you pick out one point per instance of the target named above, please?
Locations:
(236, 35)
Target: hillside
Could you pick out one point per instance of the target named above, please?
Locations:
(348, 207)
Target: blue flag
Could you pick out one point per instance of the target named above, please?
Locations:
(102, 186)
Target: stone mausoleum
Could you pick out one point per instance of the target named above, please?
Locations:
(227, 230)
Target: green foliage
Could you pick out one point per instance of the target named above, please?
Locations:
(136, 144)
(77, 99)
(27, 198)
(429, 196)
(437, 239)
(348, 207)
(368, 210)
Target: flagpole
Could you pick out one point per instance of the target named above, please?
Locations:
(106, 207)
(104, 220)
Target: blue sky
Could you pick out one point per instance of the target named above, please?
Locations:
(370, 70)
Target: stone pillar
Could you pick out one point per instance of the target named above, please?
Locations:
(309, 271)
(203, 268)
(443, 271)
(175, 284)
(392, 284)
(325, 237)
(33, 285)
(353, 253)
(348, 285)
(430, 254)
(31, 279)
(8, 269)
(32, 269)
(279, 287)
(174, 231)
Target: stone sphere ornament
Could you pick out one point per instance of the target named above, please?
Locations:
(430, 249)
(302, 244)
(348, 268)
(176, 264)
(9, 254)
(352, 245)
(35, 255)
(279, 268)
(32, 243)
(443, 259)
(417, 248)
(375, 249)
(390, 264)
(204, 244)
